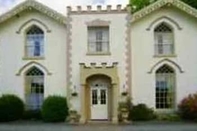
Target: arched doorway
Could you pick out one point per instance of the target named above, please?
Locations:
(99, 94)
(109, 89)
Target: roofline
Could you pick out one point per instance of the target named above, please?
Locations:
(160, 3)
(32, 4)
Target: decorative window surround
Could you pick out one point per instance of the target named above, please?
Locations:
(162, 56)
(168, 62)
(30, 64)
(164, 19)
(33, 21)
(99, 54)
(33, 58)
(98, 22)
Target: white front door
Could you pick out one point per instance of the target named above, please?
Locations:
(99, 102)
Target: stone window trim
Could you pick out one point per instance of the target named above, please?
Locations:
(98, 22)
(27, 66)
(167, 61)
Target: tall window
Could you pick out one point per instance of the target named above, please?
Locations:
(34, 88)
(165, 86)
(34, 42)
(164, 40)
(98, 39)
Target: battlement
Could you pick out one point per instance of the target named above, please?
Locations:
(99, 9)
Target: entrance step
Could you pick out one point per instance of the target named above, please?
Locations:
(99, 122)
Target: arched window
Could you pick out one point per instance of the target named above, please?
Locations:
(34, 42)
(34, 88)
(165, 86)
(164, 40)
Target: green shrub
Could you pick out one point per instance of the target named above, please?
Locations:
(188, 107)
(11, 108)
(141, 112)
(32, 115)
(168, 117)
(54, 109)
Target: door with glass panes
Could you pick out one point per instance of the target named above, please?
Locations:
(99, 102)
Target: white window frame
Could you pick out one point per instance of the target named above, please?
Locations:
(31, 49)
(165, 88)
(164, 41)
(98, 40)
(34, 89)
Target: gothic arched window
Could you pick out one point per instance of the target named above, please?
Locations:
(34, 78)
(164, 40)
(165, 87)
(34, 42)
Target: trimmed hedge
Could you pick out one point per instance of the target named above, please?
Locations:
(54, 109)
(141, 112)
(188, 107)
(32, 115)
(11, 108)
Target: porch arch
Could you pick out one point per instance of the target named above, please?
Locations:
(88, 72)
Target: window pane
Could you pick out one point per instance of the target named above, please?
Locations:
(98, 39)
(94, 97)
(103, 97)
(164, 40)
(35, 83)
(35, 42)
(164, 87)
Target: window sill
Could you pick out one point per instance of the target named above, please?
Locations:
(158, 56)
(98, 53)
(170, 110)
(33, 58)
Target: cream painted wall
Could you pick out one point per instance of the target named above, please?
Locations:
(79, 45)
(142, 41)
(12, 53)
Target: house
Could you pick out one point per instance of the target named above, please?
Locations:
(96, 56)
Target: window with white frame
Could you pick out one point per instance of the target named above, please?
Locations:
(98, 39)
(165, 86)
(164, 40)
(35, 42)
(34, 89)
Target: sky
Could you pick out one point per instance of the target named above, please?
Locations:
(60, 5)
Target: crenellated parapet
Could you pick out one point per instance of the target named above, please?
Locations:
(99, 9)
(98, 66)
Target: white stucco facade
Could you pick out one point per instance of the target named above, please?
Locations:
(129, 65)
(79, 43)
(13, 54)
(144, 59)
